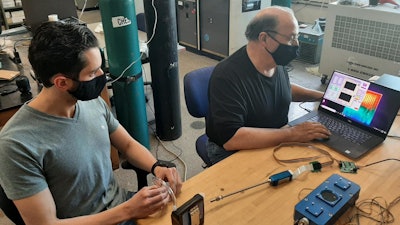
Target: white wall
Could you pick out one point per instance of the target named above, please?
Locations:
(309, 13)
(139, 6)
(238, 22)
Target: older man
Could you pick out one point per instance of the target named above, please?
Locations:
(250, 91)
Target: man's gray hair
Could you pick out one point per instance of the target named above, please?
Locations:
(264, 22)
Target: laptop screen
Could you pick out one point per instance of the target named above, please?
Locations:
(36, 12)
(361, 102)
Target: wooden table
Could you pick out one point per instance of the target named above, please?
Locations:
(275, 205)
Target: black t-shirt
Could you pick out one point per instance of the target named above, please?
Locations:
(240, 96)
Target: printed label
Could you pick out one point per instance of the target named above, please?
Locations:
(120, 21)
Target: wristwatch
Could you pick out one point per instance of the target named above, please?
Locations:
(162, 163)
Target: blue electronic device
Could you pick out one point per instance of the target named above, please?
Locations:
(325, 204)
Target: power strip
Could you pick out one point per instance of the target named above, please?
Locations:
(326, 203)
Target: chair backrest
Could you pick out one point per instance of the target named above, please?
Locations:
(195, 84)
(9, 208)
(141, 22)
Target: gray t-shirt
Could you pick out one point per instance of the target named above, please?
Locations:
(70, 156)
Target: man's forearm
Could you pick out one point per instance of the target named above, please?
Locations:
(253, 138)
(44, 212)
(141, 157)
(301, 94)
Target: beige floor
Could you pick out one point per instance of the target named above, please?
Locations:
(184, 147)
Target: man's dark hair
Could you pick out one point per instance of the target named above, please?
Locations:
(260, 24)
(58, 47)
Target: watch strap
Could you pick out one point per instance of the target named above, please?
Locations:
(161, 163)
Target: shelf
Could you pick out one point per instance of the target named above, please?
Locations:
(13, 9)
(10, 11)
(13, 25)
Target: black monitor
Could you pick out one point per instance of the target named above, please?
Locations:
(37, 11)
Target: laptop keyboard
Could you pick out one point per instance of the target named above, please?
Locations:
(347, 132)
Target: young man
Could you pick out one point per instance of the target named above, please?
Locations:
(250, 91)
(55, 151)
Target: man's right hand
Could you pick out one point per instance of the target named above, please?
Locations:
(309, 131)
(147, 201)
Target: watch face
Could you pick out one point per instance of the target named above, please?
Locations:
(162, 164)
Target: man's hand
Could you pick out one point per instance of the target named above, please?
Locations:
(309, 131)
(147, 201)
(171, 176)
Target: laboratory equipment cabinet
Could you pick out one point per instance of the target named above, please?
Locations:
(215, 27)
(362, 41)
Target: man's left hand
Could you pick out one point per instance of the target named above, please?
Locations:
(171, 176)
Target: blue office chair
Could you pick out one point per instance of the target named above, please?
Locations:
(195, 84)
(141, 22)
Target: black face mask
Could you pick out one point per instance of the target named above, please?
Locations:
(284, 54)
(88, 90)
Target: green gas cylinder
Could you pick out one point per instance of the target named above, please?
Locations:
(123, 54)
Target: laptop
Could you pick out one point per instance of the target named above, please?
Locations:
(358, 113)
(36, 12)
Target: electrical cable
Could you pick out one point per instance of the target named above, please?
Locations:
(345, 166)
(297, 172)
(127, 68)
(394, 137)
(141, 54)
(155, 23)
(276, 179)
(19, 40)
(17, 58)
(304, 108)
(83, 9)
(177, 157)
(382, 214)
(169, 151)
(304, 189)
(180, 151)
(374, 210)
(312, 100)
(384, 160)
(324, 154)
